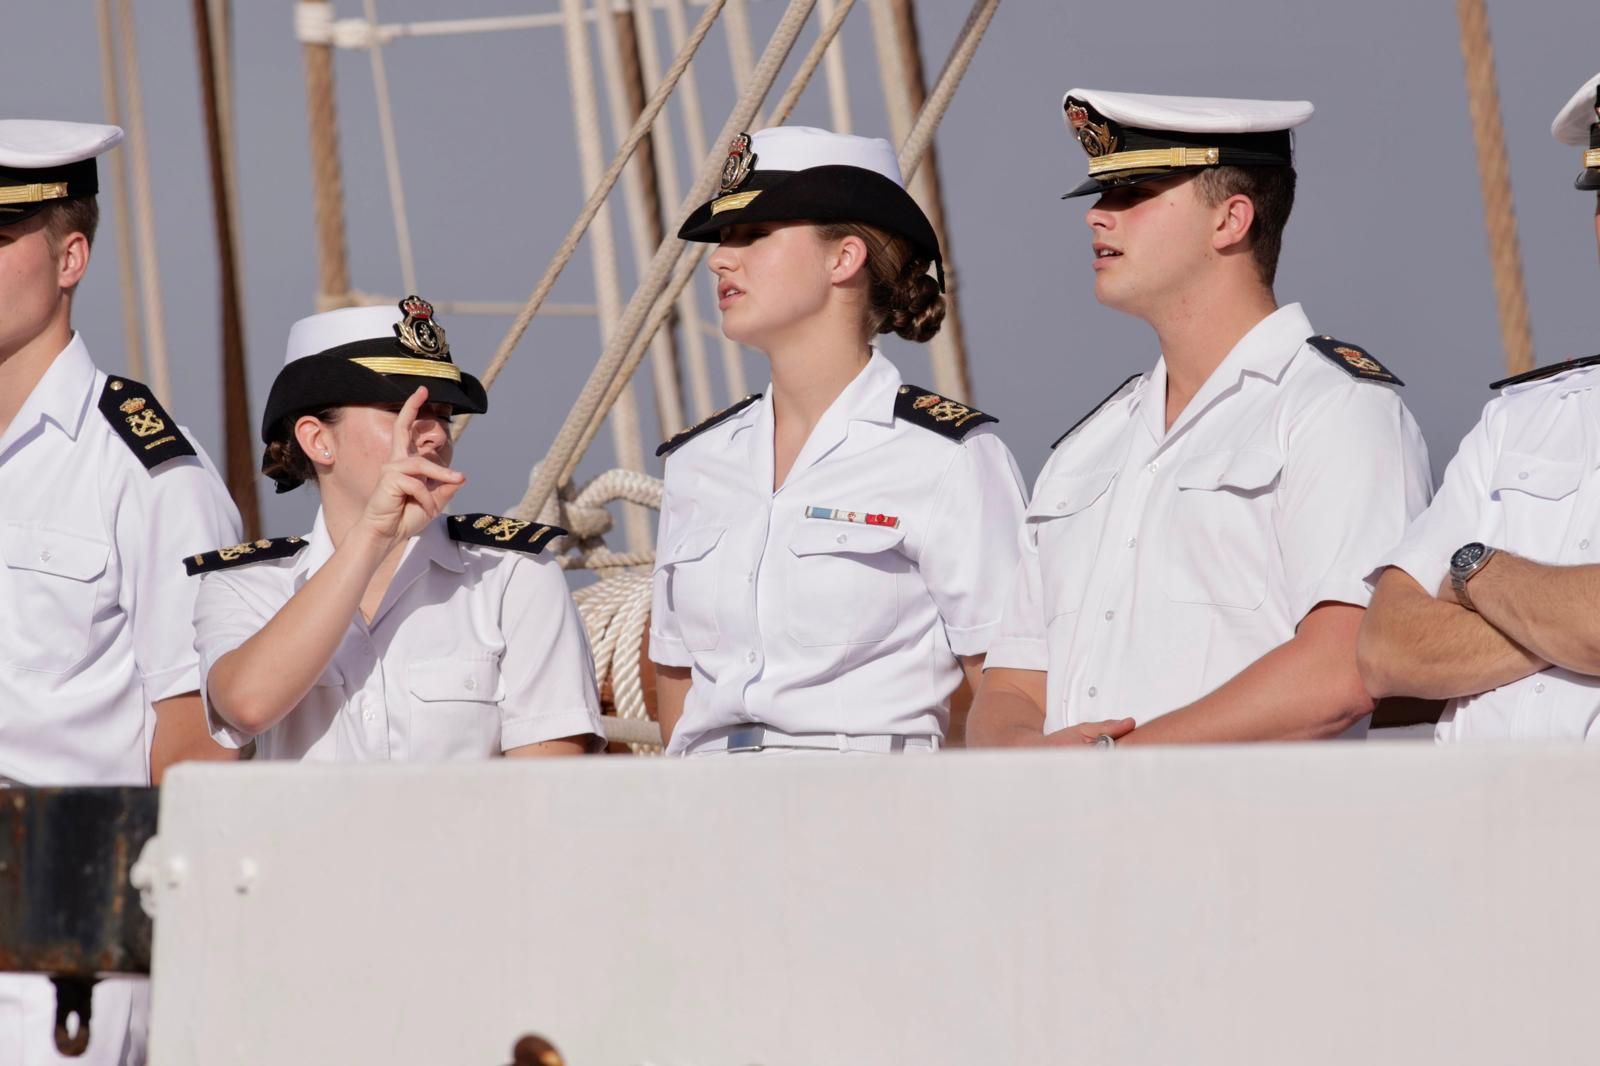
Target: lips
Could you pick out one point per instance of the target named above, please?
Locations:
(727, 293)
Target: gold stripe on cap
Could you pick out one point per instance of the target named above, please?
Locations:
(421, 368)
(33, 194)
(1153, 157)
(1591, 158)
(734, 202)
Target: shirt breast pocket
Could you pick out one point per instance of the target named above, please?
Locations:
(53, 578)
(842, 583)
(455, 709)
(690, 562)
(1526, 480)
(1062, 519)
(1222, 543)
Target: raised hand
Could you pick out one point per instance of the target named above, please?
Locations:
(411, 490)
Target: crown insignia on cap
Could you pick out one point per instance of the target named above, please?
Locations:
(1096, 137)
(131, 407)
(741, 160)
(418, 332)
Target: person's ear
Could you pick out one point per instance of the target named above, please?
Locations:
(72, 260)
(311, 433)
(1234, 217)
(847, 259)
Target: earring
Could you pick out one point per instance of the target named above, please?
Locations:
(326, 454)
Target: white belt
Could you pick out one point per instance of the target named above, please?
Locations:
(733, 739)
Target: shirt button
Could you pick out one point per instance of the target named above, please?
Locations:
(749, 579)
(750, 657)
(44, 557)
(1522, 475)
(1132, 541)
(1110, 615)
(366, 715)
(470, 685)
(1539, 687)
(1584, 544)
(841, 538)
(1152, 467)
(1093, 692)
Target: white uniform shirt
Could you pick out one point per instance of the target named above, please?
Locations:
(1157, 564)
(97, 605)
(95, 630)
(813, 625)
(1526, 479)
(473, 651)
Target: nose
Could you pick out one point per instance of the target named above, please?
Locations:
(1098, 218)
(429, 428)
(721, 260)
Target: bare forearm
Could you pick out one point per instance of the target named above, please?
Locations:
(1008, 710)
(1552, 611)
(181, 736)
(1414, 644)
(254, 686)
(1305, 689)
(672, 689)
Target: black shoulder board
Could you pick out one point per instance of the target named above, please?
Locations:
(1357, 362)
(497, 531)
(142, 422)
(1129, 380)
(932, 411)
(253, 551)
(1546, 371)
(678, 441)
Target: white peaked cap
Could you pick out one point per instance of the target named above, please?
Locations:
(803, 147)
(318, 333)
(1571, 125)
(1196, 114)
(33, 144)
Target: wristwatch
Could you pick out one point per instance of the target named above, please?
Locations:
(1467, 561)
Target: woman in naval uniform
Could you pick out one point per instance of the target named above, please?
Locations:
(833, 553)
(392, 630)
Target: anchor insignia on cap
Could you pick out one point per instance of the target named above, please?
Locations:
(418, 332)
(741, 160)
(1096, 137)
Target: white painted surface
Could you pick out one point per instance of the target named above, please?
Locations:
(1333, 904)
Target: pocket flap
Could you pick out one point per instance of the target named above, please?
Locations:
(691, 544)
(819, 536)
(51, 551)
(1535, 476)
(453, 680)
(1243, 471)
(1067, 494)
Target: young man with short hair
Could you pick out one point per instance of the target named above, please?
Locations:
(1194, 553)
(104, 497)
(1489, 600)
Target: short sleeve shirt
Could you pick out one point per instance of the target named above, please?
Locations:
(1158, 563)
(820, 625)
(473, 651)
(96, 625)
(1526, 479)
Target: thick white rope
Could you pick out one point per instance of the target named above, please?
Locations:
(615, 612)
(596, 200)
(664, 375)
(144, 212)
(564, 449)
(838, 84)
(110, 83)
(391, 158)
(916, 143)
(625, 432)
(663, 143)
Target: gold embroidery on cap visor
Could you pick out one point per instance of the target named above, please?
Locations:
(1154, 159)
(734, 202)
(33, 194)
(421, 368)
(1591, 159)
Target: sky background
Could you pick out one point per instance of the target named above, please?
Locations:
(1386, 247)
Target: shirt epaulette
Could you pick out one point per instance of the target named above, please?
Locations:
(498, 531)
(948, 418)
(142, 423)
(253, 551)
(680, 439)
(1545, 371)
(1114, 393)
(1353, 360)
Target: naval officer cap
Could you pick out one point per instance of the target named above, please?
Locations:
(1578, 124)
(44, 162)
(802, 174)
(1135, 137)
(367, 355)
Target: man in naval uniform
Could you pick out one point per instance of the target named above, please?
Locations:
(1488, 601)
(1194, 553)
(104, 496)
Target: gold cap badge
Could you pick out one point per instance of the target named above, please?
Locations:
(741, 160)
(418, 332)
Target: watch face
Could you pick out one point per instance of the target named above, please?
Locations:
(1467, 556)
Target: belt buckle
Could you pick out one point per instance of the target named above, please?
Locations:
(747, 738)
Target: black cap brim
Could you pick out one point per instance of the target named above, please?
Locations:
(320, 381)
(833, 193)
(1095, 186)
(1588, 180)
